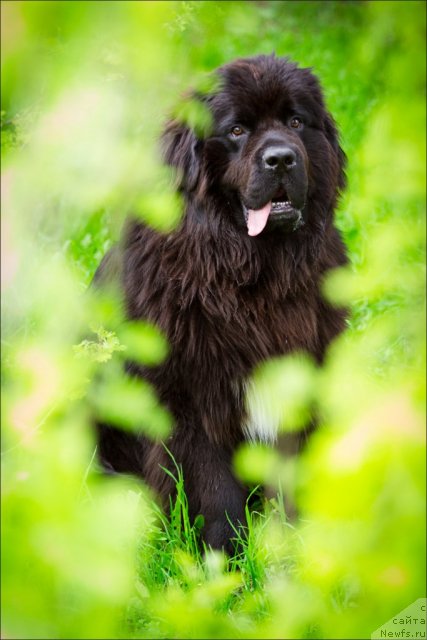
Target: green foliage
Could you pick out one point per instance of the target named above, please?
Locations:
(288, 387)
(86, 87)
(144, 342)
(194, 115)
(102, 349)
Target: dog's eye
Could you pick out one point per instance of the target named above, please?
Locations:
(296, 122)
(237, 130)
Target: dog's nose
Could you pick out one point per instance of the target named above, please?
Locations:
(279, 157)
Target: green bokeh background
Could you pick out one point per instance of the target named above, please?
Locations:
(86, 88)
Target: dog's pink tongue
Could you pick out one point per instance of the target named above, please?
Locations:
(257, 219)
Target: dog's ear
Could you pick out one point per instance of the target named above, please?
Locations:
(333, 138)
(182, 150)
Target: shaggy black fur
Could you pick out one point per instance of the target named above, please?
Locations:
(227, 300)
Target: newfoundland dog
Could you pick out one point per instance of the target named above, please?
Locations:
(238, 281)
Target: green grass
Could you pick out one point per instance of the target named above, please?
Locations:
(175, 558)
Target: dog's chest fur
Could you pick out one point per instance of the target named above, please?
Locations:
(260, 420)
(220, 328)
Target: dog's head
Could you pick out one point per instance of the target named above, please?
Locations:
(272, 149)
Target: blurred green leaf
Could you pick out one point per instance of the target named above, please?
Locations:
(131, 403)
(286, 386)
(143, 342)
(194, 114)
(257, 463)
(162, 211)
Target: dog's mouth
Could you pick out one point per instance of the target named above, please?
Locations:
(278, 211)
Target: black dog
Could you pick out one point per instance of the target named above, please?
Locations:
(239, 280)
